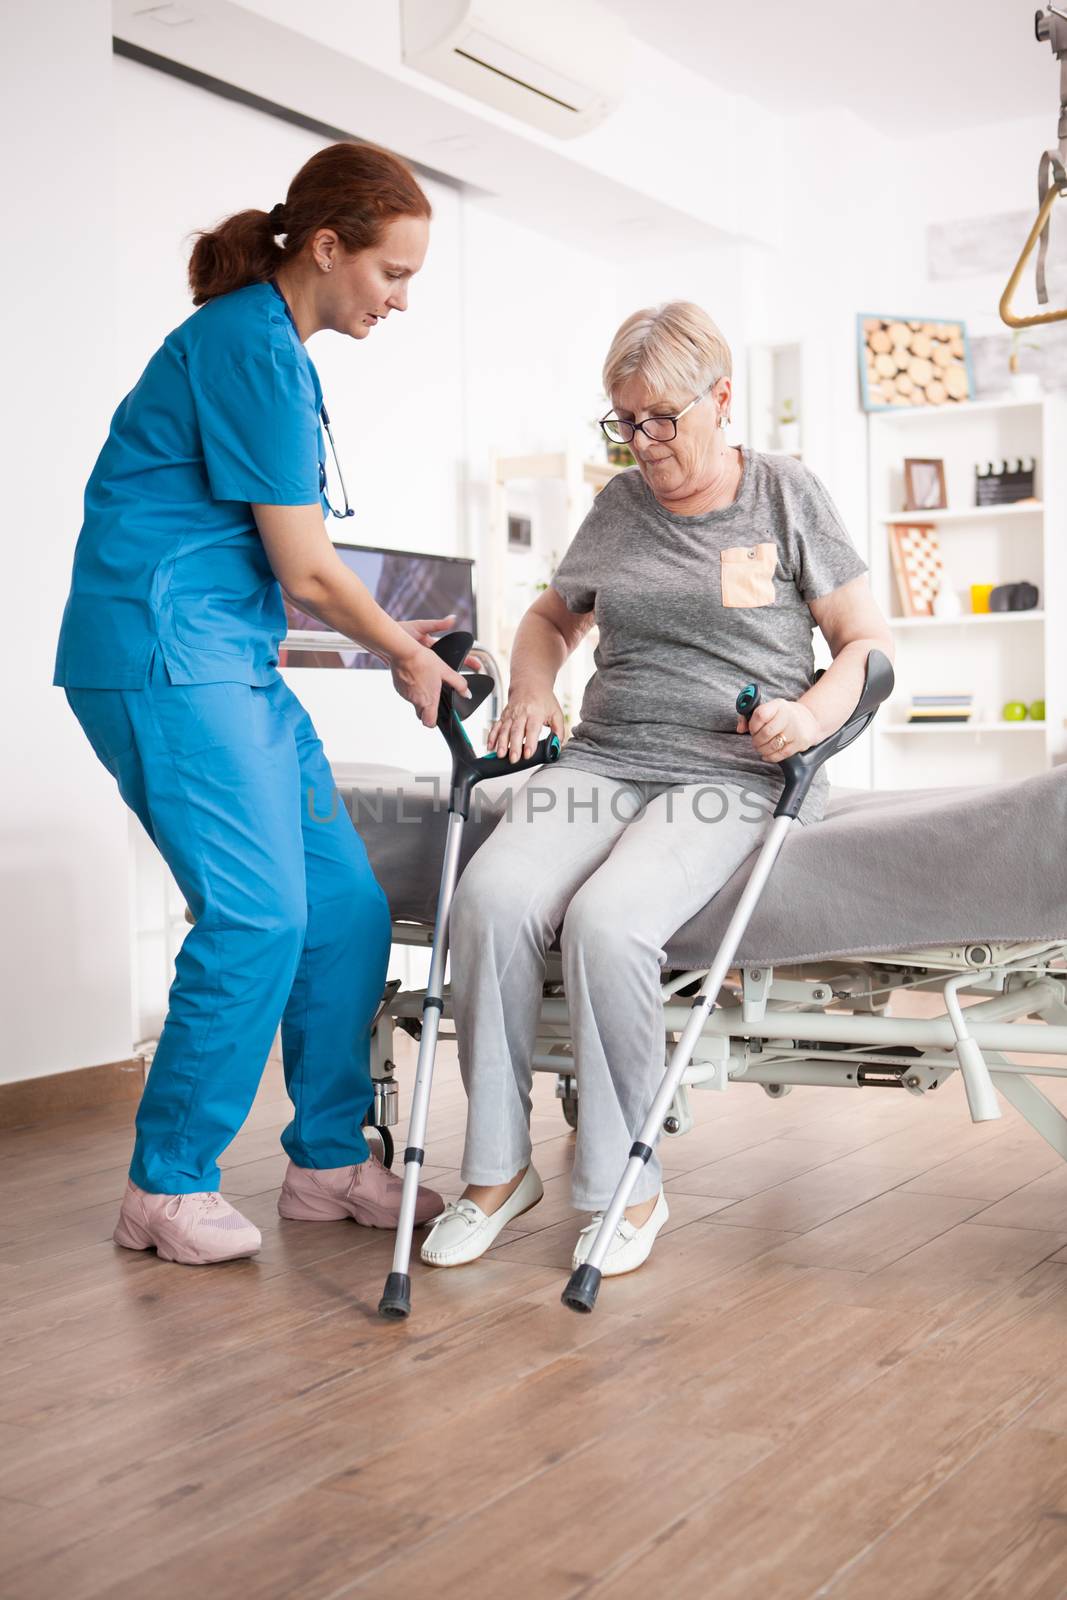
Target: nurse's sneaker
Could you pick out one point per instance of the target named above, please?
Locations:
(369, 1193)
(195, 1229)
(464, 1231)
(631, 1245)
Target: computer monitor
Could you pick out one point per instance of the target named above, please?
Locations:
(405, 583)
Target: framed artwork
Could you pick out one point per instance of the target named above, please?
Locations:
(520, 533)
(924, 485)
(912, 361)
(917, 568)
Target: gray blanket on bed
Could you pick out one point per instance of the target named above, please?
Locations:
(884, 871)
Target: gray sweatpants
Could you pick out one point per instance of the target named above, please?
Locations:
(621, 865)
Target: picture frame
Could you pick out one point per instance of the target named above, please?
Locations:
(520, 532)
(917, 567)
(924, 484)
(912, 361)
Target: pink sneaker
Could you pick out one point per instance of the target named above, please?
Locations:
(195, 1229)
(370, 1193)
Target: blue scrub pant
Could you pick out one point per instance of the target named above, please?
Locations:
(233, 787)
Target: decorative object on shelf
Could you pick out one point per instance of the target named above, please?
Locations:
(542, 584)
(912, 362)
(947, 604)
(941, 708)
(1013, 597)
(1022, 385)
(924, 485)
(980, 593)
(1004, 483)
(520, 533)
(1037, 711)
(917, 566)
(788, 429)
(1014, 711)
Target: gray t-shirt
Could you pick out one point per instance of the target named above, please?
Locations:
(690, 609)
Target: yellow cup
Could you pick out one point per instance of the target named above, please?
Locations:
(980, 593)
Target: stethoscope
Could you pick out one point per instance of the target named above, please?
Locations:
(347, 512)
(325, 415)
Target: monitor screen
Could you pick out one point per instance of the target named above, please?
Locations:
(405, 583)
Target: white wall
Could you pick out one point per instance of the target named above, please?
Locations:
(64, 933)
(856, 210)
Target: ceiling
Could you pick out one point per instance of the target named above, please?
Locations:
(910, 68)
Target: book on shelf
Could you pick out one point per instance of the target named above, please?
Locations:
(941, 708)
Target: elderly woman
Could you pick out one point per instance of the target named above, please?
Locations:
(706, 566)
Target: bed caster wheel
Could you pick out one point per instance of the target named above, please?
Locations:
(384, 1139)
(777, 1090)
(567, 1093)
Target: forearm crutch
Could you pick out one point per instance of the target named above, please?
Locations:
(584, 1284)
(467, 770)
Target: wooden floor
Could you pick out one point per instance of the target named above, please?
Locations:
(842, 1373)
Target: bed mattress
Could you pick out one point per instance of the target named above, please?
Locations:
(884, 871)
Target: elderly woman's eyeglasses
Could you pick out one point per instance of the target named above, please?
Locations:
(659, 428)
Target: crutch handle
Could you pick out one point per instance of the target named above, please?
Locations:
(801, 768)
(546, 752)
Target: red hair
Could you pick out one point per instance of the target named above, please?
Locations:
(355, 189)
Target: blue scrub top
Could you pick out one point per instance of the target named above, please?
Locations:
(225, 415)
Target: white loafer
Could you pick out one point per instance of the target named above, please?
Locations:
(630, 1247)
(463, 1232)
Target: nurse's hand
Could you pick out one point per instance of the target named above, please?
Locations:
(780, 728)
(418, 676)
(427, 630)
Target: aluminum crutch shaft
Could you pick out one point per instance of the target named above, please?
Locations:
(396, 1297)
(581, 1291)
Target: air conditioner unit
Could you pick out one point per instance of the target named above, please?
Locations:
(558, 64)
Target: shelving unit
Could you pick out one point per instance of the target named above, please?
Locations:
(775, 376)
(502, 601)
(997, 657)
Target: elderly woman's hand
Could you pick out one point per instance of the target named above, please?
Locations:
(516, 731)
(780, 728)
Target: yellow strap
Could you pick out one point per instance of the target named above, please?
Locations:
(1007, 315)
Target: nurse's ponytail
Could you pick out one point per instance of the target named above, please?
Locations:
(355, 189)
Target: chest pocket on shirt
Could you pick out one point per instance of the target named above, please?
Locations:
(748, 574)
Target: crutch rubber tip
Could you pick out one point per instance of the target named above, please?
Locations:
(395, 1303)
(582, 1288)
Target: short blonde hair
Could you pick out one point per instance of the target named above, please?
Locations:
(675, 348)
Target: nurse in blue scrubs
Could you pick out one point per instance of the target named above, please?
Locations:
(206, 501)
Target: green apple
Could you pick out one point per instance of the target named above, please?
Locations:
(1037, 710)
(1014, 711)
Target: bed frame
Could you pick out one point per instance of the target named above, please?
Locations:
(825, 1023)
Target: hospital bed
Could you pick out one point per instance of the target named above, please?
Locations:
(942, 891)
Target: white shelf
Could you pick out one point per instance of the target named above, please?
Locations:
(989, 653)
(971, 620)
(1025, 508)
(963, 727)
(965, 408)
(598, 473)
